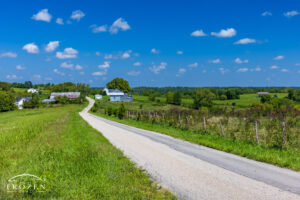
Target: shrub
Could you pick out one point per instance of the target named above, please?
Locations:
(121, 111)
(7, 101)
(62, 99)
(33, 103)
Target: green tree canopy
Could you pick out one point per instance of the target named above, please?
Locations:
(203, 97)
(119, 83)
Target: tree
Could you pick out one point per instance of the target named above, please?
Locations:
(265, 98)
(119, 83)
(177, 98)
(5, 86)
(203, 97)
(7, 100)
(170, 97)
(28, 84)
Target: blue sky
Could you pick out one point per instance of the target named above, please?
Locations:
(151, 43)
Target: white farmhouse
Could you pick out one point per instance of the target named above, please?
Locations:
(20, 101)
(117, 95)
(32, 90)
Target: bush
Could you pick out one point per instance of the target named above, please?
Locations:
(62, 99)
(7, 100)
(33, 103)
(121, 111)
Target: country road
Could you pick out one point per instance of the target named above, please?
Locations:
(195, 172)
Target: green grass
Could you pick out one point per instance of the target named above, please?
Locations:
(281, 157)
(76, 160)
(246, 99)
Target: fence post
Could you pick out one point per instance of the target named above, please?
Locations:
(204, 123)
(283, 133)
(256, 131)
(221, 127)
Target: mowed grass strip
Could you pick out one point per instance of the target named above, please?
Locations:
(76, 160)
(288, 158)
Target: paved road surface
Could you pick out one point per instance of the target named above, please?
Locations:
(195, 172)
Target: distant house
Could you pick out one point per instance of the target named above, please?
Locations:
(117, 95)
(20, 101)
(98, 96)
(70, 95)
(259, 94)
(32, 90)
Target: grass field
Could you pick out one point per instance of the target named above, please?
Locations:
(246, 99)
(76, 160)
(281, 157)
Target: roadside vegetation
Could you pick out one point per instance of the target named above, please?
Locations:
(263, 128)
(77, 161)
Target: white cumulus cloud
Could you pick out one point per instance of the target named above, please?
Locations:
(31, 48)
(20, 67)
(51, 46)
(137, 64)
(240, 61)
(8, 55)
(77, 15)
(274, 67)
(245, 41)
(216, 61)
(12, 76)
(56, 71)
(99, 73)
(105, 65)
(179, 52)
(242, 69)
(67, 53)
(67, 65)
(99, 29)
(266, 13)
(78, 67)
(60, 21)
(119, 24)
(181, 71)
(134, 73)
(195, 64)
(291, 13)
(284, 70)
(224, 33)
(42, 15)
(155, 51)
(198, 33)
(280, 57)
(223, 70)
(156, 69)
(126, 54)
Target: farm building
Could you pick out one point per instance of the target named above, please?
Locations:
(117, 95)
(259, 94)
(98, 96)
(70, 95)
(32, 90)
(20, 101)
